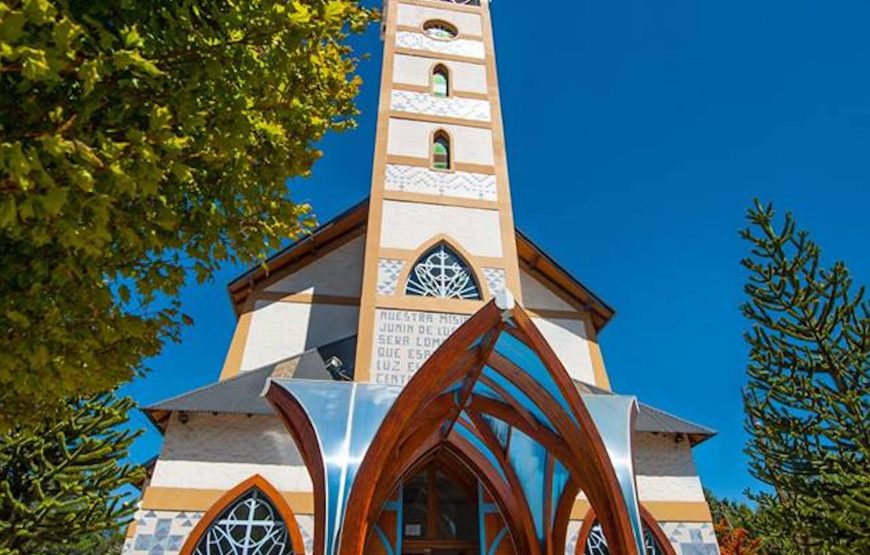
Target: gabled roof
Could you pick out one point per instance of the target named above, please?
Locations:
(241, 394)
(534, 258)
(328, 236)
(352, 222)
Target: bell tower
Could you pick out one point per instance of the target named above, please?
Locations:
(440, 240)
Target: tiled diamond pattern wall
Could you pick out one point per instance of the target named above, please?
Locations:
(450, 107)
(687, 538)
(388, 275)
(430, 182)
(161, 532)
(164, 532)
(458, 47)
(495, 279)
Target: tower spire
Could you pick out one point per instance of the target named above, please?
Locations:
(440, 238)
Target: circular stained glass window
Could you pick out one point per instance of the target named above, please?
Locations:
(440, 30)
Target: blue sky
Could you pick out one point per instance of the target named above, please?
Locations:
(638, 133)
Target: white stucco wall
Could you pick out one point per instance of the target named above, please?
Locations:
(471, 145)
(415, 16)
(568, 340)
(230, 438)
(217, 475)
(416, 70)
(408, 226)
(219, 451)
(665, 469)
(280, 330)
(537, 295)
(337, 273)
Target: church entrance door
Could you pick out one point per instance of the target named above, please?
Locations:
(439, 511)
(435, 510)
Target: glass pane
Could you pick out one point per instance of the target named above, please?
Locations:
(439, 85)
(529, 460)
(523, 356)
(415, 506)
(463, 428)
(518, 395)
(457, 517)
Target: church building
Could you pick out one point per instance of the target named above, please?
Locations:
(417, 375)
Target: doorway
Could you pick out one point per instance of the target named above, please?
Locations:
(439, 512)
(435, 510)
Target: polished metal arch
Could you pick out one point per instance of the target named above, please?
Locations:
(495, 387)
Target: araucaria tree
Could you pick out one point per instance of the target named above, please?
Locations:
(62, 480)
(140, 143)
(808, 396)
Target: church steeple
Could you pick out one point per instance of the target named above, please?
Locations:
(440, 238)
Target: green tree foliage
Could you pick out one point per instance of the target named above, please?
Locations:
(735, 526)
(142, 143)
(110, 542)
(736, 514)
(808, 396)
(62, 480)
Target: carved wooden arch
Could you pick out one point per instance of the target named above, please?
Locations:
(420, 447)
(470, 260)
(226, 500)
(648, 521)
(585, 455)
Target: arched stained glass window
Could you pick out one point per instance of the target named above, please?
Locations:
(440, 81)
(596, 543)
(251, 525)
(440, 272)
(441, 151)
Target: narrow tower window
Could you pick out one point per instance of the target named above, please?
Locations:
(440, 81)
(441, 151)
(440, 272)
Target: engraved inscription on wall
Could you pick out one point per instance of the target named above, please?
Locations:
(404, 339)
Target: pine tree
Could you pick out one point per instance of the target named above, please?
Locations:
(808, 393)
(62, 480)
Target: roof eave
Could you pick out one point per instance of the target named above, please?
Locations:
(541, 261)
(348, 222)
